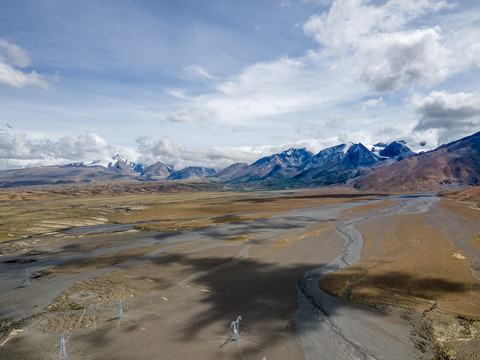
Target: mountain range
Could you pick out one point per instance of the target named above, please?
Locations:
(385, 167)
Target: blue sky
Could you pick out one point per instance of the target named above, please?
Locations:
(216, 82)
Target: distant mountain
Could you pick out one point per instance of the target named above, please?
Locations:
(158, 171)
(59, 174)
(337, 165)
(192, 173)
(452, 166)
(273, 168)
(229, 171)
(124, 167)
(395, 168)
(397, 150)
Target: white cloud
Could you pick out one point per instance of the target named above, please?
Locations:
(86, 147)
(14, 54)
(377, 44)
(18, 150)
(170, 151)
(12, 59)
(242, 128)
(178, 93)
(309, 128)
(197, 71)
(451, 116)
(18, 146)
(334, 121)
(372, 103)
(263, 92)
(191, 116)
(362, 136)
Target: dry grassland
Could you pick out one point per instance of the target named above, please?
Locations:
(47, 210)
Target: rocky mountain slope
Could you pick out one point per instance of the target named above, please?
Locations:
(228, 172)
(338, 164)
(158, 171)
(449, 167)
(192, 173)
(397, 150)
(274, 168)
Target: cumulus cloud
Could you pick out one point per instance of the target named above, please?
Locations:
(378, 44)
(19, 147)
(18, 150)
(451, 115)
(85, 147)
(12, 60)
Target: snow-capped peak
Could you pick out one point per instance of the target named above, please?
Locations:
(346, 147)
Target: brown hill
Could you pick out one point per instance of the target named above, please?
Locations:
(452, 166)
(59, 174)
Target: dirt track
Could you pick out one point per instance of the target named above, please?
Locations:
(182, 290)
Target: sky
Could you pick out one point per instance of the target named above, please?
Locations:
(211, 83)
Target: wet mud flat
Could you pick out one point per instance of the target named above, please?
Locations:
(181, 290)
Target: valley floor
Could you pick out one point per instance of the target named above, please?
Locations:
(415, 270)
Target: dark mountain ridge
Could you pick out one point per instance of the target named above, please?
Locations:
(192, 173)
(273, 167)
(337, 164)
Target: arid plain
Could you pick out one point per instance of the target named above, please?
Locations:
(186, 259)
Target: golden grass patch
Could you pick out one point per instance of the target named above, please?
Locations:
(240, 238)
(370, 206)
(408, 264)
